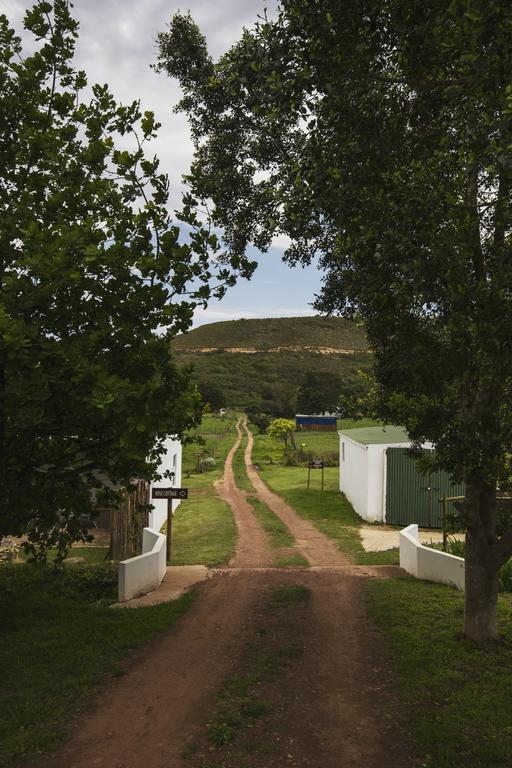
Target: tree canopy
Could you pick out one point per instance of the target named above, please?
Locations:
(377, 134)
(94, 281)
(282, 429)
(319, 391)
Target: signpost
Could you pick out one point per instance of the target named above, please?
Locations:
(169, 494)
(316, 464)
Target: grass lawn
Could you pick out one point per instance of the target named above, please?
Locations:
(239, 472)
(328, 509)
(59, 641)
(458, 695)
(278, 534)
(327, 444)
(204, 531)
(218, 435)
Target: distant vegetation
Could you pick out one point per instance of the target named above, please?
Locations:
(271, 359)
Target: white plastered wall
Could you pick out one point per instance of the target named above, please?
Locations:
(170, 460)
(427, 563)
(145, 572)
(354, 474)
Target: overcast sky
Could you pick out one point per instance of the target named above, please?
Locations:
(116, 46)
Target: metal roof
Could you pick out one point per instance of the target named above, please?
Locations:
(386, 435)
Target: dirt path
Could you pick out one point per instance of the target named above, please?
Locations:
(252, 546)
(312, 543)
(330, 706)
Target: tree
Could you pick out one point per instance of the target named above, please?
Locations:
(212, 393)
(319, 391)
(377, 133)
(94, 282)
(282, 429)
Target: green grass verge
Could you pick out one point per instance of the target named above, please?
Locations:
(328, 510)
(384, 557)
(239, 470)
(295, 560)
(204, 532)
(277, 532)
(57, 644)
(90, 555)
(457, 693)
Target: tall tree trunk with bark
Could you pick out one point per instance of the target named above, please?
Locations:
(481, 563)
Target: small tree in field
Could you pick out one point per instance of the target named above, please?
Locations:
(282, 429)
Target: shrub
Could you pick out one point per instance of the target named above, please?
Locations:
(206, 464)
(505, 577)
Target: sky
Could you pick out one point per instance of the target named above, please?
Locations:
(117, 46)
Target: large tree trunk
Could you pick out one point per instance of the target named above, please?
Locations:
(482, 566)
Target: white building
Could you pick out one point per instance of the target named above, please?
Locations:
(363, 468)
(170, 461)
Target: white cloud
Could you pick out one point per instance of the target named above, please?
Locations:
(281, 241)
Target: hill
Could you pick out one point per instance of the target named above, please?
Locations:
(260, 363)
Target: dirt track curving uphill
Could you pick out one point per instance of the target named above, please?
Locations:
(252, 546)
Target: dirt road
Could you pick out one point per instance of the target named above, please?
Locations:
(315, 670)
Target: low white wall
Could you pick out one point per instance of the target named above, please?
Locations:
(145, 572)
(427, 563)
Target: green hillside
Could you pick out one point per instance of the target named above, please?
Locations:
(329, 333)
(260, 363)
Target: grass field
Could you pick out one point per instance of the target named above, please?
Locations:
(59, 641)
(320, 445)
(328, 509)
(458, 694)
(204, 532)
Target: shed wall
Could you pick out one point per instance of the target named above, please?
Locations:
(354, 474)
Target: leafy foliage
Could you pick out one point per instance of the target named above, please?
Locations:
(319, 392)
(94, 282)
(378, 134)
(282, 429)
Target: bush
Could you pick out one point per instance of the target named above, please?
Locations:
(457, 547)
(88, 583)
(206, 464)
(505, 579)
(261, 421)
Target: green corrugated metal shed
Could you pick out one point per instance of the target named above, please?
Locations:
(410, 496)
(413, 497)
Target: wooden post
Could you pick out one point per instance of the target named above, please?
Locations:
(445, 532)
(322, 475)
(169, 530)
(309, 472)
